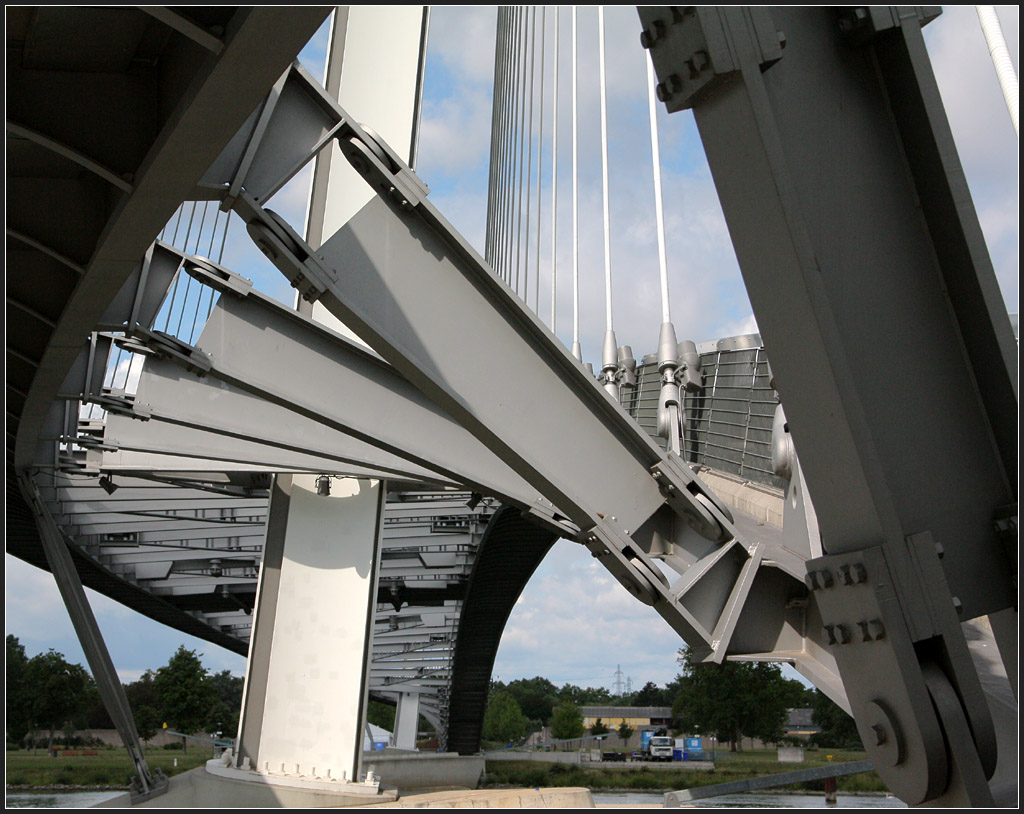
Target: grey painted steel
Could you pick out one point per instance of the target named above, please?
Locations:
(206, 418)
(145, 784)
(593, 464)
(468, 291)
(257, 346)
(675, 799)
(221, 92)
(838, 262)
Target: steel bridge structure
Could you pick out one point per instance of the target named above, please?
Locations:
(205, 492)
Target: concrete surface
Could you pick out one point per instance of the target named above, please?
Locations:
(200, 789)
(496, 798)
(760, 502)
(539, 757)
(424, 770)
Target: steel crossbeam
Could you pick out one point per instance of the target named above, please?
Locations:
(404, 280)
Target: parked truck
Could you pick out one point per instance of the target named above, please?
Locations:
(659, 747)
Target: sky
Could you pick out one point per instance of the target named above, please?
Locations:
(574, 623)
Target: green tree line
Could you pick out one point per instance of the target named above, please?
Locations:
(729, 701)
(47, 693)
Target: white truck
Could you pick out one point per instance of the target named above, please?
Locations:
(659, 747)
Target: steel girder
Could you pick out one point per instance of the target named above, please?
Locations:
(854, 229)
(600, 479)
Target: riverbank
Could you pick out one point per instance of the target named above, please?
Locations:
(112, 770)
(645, 778)
(108, 769)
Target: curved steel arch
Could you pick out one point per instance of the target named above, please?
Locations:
(512, 548)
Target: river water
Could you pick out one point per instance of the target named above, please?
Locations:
(58, 799)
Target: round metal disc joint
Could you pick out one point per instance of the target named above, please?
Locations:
(885, 741)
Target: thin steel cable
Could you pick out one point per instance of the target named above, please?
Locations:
(510, 111)
(181, 211)
(510, 210)
(529, 156)
(540, 153)
(224, 237)
(575, 200)
(502, 135)
(202, 225)
(495, 97)
(500, 249)
(666, 311)
(554, 174)
(177, 276)
(604, 171)
(522, 148)
(1005, 73)
(213, 232)
(188, 233)
(496, 133)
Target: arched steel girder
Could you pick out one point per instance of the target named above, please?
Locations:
(512, 548)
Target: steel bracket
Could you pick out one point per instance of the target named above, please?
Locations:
(119, 402)
(697, 38)
(382, 169)
(698, 506)
(634, 570)
(285, 249)
(146, 342)
(860, 24)
(220, 279)
(882, 660)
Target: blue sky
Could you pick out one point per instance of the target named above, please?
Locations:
(574, 623)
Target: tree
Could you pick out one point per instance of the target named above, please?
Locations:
(566, 722)
(94, 714)
(227, 705)
(145, 705)
(599, 728)
(19, 712)
(381, 714)
(651, 695)
(838, 730)
(581, 697)
(147, 722)
(504, 721)
(56, 690)
(733, 700)
(536, 697)
(185, 692)
(625, 732)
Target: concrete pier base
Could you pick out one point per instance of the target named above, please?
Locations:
(424, 770)
(201, 789)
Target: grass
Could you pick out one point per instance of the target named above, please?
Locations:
(111, 767)
(750, 764)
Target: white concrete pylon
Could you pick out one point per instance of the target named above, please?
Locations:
(407, 715)
(305, 690)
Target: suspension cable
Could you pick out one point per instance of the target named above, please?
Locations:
(529, 156)
(576, 349)
(513, 135)
(1001, 60)
(604, 172)
(492, 170)
(540, 152)
(554, 174)
(666, 314)
(522, 147)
